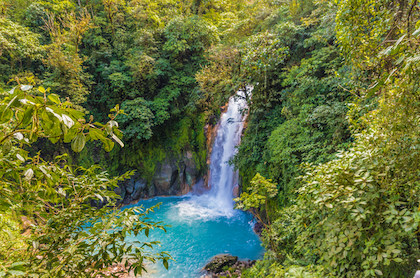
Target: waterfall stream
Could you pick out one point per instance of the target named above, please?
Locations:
(222, 176)
(206, 225)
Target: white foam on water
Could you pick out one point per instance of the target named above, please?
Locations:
(252, 223)
(204, 207)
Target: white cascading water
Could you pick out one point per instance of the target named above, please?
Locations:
(219, 200)
(223, 178)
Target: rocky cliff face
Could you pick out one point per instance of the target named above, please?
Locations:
(173, 176)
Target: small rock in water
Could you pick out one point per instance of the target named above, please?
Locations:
(226, 266)
(217, 263)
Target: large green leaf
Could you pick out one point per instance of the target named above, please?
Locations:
(108, 144)
(70, 134)
(96, 134)
(54, 98)
(78, 143)
(27, 117)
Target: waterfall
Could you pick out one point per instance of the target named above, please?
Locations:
(223, 178)
(218, 201)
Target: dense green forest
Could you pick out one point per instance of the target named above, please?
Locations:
(329, 159)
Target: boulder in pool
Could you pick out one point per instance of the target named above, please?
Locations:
(217, 263)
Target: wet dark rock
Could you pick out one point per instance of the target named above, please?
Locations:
(258, 228)
(129, 186)
(172, 176)
(175, 184)
(190, 166)
(152, 191)
(139, 187)
(226, 266)
(127, 200)
(118, 190)
(163, 177)
(217, 263)
(98, 203)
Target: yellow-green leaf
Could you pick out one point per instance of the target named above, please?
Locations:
(54, 98)
(78, 143)
(108, 144)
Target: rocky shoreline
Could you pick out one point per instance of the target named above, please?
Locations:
(226, 266)
(219, 266)
(172, 177)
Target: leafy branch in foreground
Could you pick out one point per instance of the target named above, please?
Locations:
(261, 191)
(68, 236)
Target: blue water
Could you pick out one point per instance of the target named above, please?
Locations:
(198, 232)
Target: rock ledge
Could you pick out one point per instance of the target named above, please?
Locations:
(226, 266)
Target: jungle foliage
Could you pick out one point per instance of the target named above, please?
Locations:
(63, 234)
(142, 55)
(329, 156)
(341, 141)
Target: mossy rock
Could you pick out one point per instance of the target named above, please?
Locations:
(217, 263)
